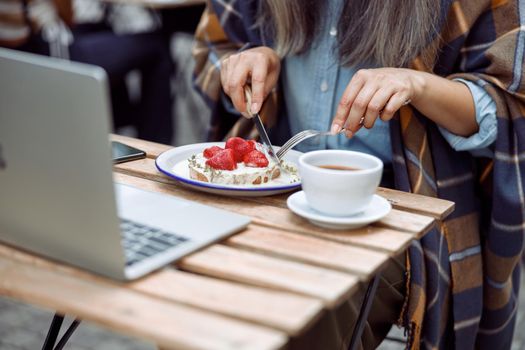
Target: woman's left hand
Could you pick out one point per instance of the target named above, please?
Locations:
(374, 93)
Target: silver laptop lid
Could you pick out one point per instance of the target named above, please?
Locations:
(56, 189)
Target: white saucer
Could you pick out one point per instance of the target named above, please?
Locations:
(376, 210)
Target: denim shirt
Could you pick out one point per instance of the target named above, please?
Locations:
(314, 82)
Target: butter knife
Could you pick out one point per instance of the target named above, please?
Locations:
(260, 127)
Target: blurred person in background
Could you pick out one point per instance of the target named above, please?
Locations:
(37, 26)
(118, 38)
(433, 88)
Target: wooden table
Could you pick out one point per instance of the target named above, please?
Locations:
(259, 289)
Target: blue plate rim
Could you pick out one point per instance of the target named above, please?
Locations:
(222, 188)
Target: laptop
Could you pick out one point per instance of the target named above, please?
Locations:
(57, 195)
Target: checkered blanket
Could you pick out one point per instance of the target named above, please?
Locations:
(464, 275)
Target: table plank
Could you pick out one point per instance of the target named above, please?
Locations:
(410, 202)
(311, 250)
(375, 237)
(224, 262)
(143, 168)
(284, 311)
(167, 324)
(419, 204)
(408, 222)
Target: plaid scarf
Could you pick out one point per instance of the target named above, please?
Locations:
(464, 275)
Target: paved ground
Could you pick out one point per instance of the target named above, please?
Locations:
(23, 327)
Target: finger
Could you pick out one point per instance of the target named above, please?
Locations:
(238, 77)
(351, 91)
(376, 105)
(224, 75)
(259, 75)
(231, 63)
(396, 101)
(359, 107)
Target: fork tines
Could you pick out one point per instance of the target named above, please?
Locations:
(294, 140)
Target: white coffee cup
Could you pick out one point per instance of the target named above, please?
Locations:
(337, 192)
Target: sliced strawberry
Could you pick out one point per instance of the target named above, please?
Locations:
(233, 141)
(240, 147)
(223, 160)
(211, 151)
(256, 159)
(243, 149)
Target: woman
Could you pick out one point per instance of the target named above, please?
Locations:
(426, 80)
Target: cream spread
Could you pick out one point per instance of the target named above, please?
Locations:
(272, 174)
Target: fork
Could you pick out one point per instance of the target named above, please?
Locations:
(300, 137)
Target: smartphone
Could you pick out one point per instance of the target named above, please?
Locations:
(124, 153)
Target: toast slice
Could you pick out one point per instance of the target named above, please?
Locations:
(243, 175)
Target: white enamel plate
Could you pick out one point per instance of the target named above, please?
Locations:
(174, 163)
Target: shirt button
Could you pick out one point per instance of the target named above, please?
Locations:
(333, 31)
(324, 86)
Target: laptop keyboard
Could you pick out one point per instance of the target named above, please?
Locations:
(141, 242)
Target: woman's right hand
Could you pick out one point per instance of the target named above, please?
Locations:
(260, 67)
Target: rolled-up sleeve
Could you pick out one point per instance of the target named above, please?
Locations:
(486, 118)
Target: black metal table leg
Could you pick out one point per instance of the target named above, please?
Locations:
(363, 313)
(67, 335)
(52, 334)
(54, 330)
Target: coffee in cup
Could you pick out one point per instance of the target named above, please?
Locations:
(339, 182)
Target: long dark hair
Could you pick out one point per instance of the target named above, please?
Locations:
(390, 33)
